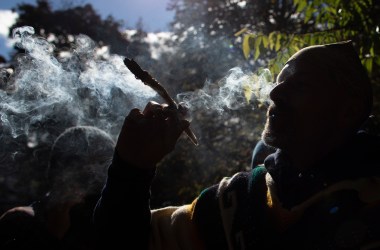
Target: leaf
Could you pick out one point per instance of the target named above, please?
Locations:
(247, 89)
(278, 42)
(257, 42)
(257, 53)
(275, 66)
(372, 51)
(309, 13)
(246, 48)
(368, 63)
(302, 4)
(257, 47)
(305, 38)
(265, 41)
(271, 39)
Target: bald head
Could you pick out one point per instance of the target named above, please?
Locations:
(323, 96)
(343, 66)
(78, 162)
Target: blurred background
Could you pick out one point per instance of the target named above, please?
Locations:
(61, 66)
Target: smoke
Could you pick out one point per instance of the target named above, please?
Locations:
(47, 91)
(84, 87)
(234, 91)
(79, 87)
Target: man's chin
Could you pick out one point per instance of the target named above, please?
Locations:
(270, 138)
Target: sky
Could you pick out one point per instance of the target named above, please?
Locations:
(153, 13)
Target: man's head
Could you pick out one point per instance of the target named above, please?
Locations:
(323, 95)
(78, 163)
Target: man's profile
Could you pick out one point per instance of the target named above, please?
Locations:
(319, 190)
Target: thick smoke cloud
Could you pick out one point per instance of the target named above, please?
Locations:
(79, 88)
(84, 87)
(47, 91)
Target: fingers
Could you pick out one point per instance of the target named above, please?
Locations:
(148, 135)
(160, 111)
(135, 113)
(163, 116)
(134, 116)
(151, 108)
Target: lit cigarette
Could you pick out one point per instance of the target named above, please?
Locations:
(147, 79)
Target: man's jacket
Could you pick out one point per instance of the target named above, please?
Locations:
(335, 205)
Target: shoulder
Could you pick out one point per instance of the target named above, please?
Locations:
(345, 215)
(242, 183)
(22, 227)
(14, 221)
(222, 211)
(235, 188)
(17, 213)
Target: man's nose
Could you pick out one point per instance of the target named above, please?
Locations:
(278, 92)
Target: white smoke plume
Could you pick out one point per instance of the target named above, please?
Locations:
(47, 92)
(236, 90)
(80, 88)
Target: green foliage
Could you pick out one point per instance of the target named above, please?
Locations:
(330, 21)
(208, 34)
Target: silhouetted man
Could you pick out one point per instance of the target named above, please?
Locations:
(63, 219)
(319, 190)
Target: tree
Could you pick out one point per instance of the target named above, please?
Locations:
(210, 29)
(60, 26)
(329, 21)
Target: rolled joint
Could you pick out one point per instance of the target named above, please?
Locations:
(183, 114)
